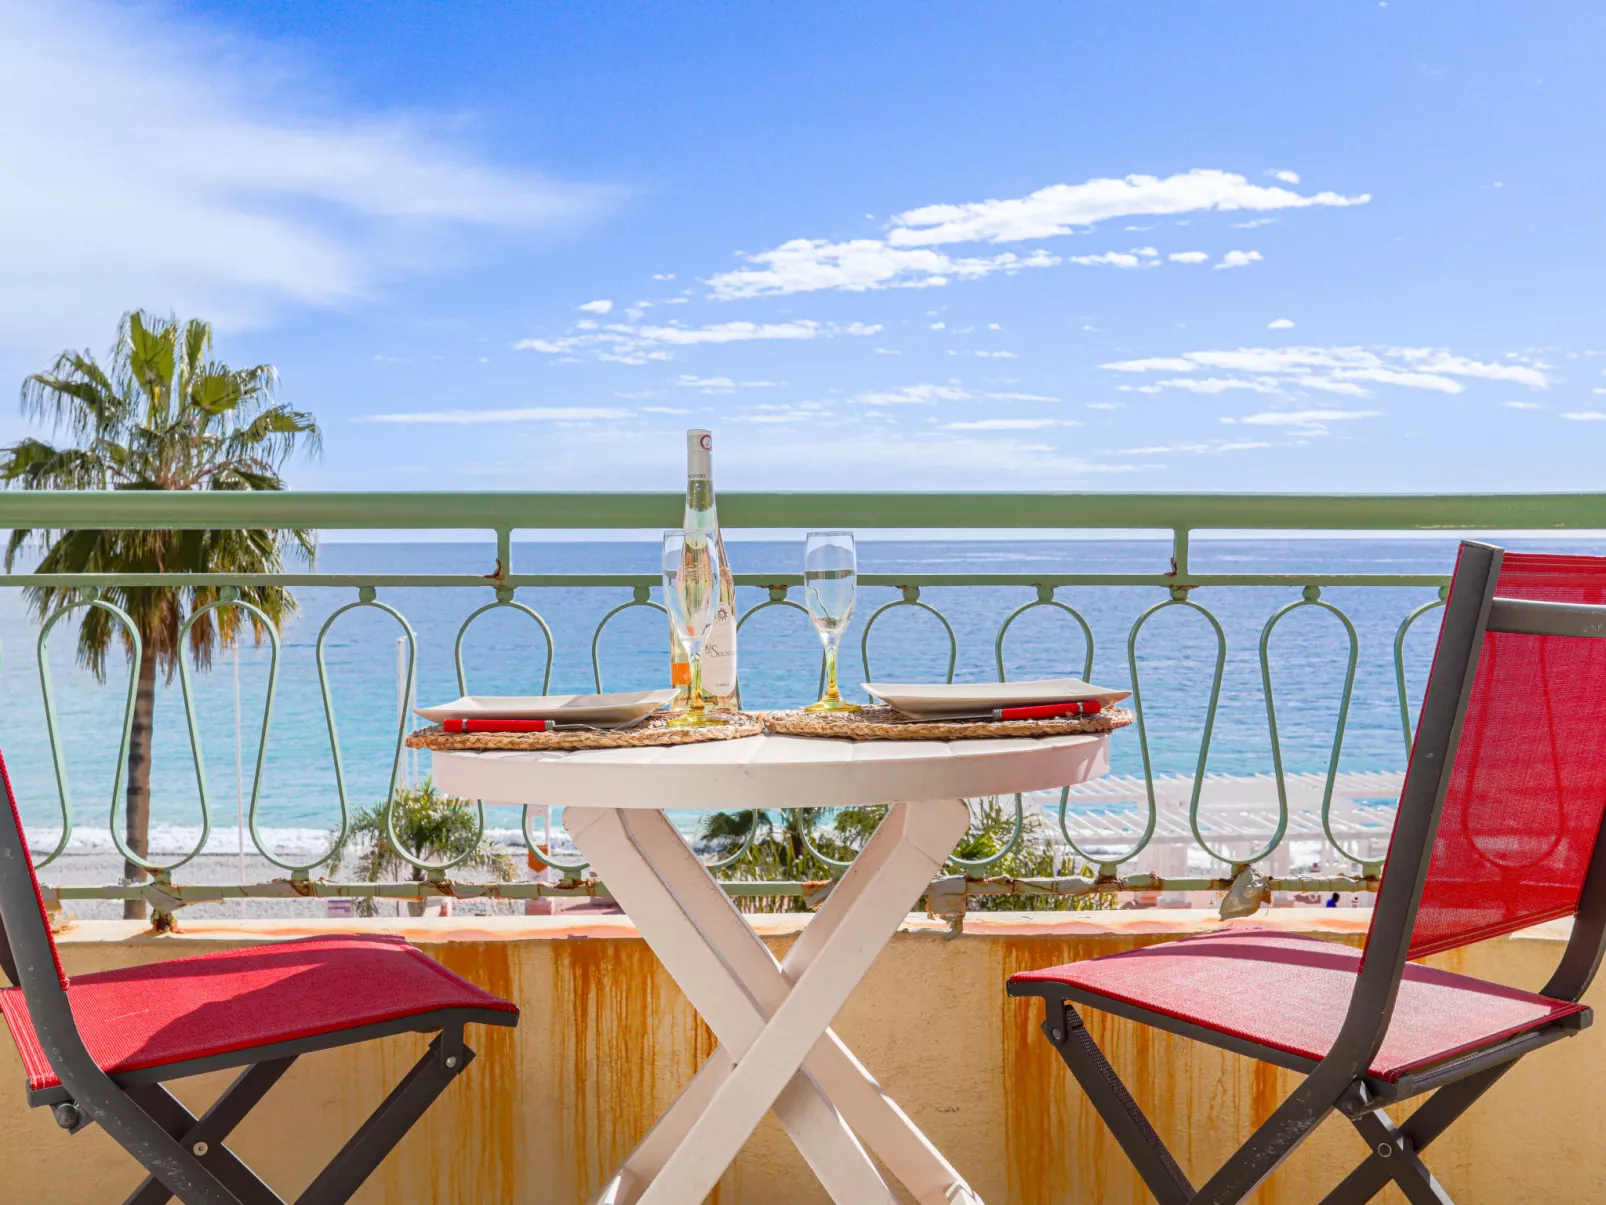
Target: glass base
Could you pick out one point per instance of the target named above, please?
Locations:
(833, 705)
(692, 719)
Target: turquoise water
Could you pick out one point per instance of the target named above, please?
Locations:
(779, 662)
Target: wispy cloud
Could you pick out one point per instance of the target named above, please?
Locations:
(1187, 257)
(907, 257)
(1280, 324)
(913, 395)
(1064, 208)
(171, 166)
(528, 414)
(719, 385)
(1196, 448)
(628, 343)
(1010, 424)
(1303, 418)
(597, 307)
(1585, 416)
(1351, 371)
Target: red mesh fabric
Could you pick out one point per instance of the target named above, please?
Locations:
(1528, 787)
(241, 999)
(27, 860)
(1291, 993)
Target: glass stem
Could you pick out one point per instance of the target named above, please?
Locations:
(832, 695)
(696, 707)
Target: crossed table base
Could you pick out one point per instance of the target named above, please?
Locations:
(776, 1049)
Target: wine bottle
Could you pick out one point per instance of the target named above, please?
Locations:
(719, 649)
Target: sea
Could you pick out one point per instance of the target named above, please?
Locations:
(504, 653)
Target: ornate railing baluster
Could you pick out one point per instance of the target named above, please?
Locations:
(230, 597)
(1312, 598)
(366, 597)
(1399, 664)
(90, 598)
(1178, 598)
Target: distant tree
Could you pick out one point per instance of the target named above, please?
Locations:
(160, 415)
(433, 826)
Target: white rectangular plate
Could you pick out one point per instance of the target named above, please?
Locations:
(935, 700)
(617, 708)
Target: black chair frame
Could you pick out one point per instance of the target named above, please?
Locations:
(1340, 1081)
(185, 1155)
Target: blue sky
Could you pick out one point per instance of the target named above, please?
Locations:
(1245, 246)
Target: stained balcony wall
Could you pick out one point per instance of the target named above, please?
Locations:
(606, 1040)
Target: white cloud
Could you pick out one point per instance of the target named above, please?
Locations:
(1113, 259)
(720, 384)
(1063, 208)
(1238, 259)
(809, 265)
(1010, 424)
(173, 166)
(1287, 177)
(1522, 405)
(1343, 370)
(1164, 449)
(995, 355)
(1188, 257)
(1106, 405)
(887, 351)
(597, 307)
(629, 344)
(1023, 397)
(1305, 418)
(913, 395)
(906, 259)
(1280, 324)
(665, 410)
(1221, 384)
(663, 276)
(1254, 224)
(548, 414)
(1585, 416)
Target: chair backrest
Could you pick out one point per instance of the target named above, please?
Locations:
(1521, 819)
(15, 911)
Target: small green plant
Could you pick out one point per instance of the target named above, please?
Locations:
(433, 826)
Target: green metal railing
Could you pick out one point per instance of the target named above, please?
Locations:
(1180, 515)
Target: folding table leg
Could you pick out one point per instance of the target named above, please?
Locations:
(813, 1123)
(873, 1115)
(840, 945)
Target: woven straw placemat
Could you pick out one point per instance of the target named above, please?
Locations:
(887, 724)
(653, 732)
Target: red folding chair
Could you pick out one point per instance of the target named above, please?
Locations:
(98, 1048)
(1498, 828)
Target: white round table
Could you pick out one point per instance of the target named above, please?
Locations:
(773, 1018)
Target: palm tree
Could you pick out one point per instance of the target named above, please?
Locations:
(432, 826)
(163, 415)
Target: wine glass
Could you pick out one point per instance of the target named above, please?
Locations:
(830, 578)
(691, 596)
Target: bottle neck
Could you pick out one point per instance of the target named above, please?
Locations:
(700, 509)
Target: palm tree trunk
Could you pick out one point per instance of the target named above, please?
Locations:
(137, 814)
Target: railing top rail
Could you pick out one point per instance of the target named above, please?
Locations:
(510, 511)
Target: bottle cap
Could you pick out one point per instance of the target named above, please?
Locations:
(699, 455)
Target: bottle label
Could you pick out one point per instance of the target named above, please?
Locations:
(719, 652)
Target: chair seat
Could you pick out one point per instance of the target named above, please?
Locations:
(1291, 994)
(242, 999)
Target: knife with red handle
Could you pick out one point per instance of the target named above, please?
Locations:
(1042, 711)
